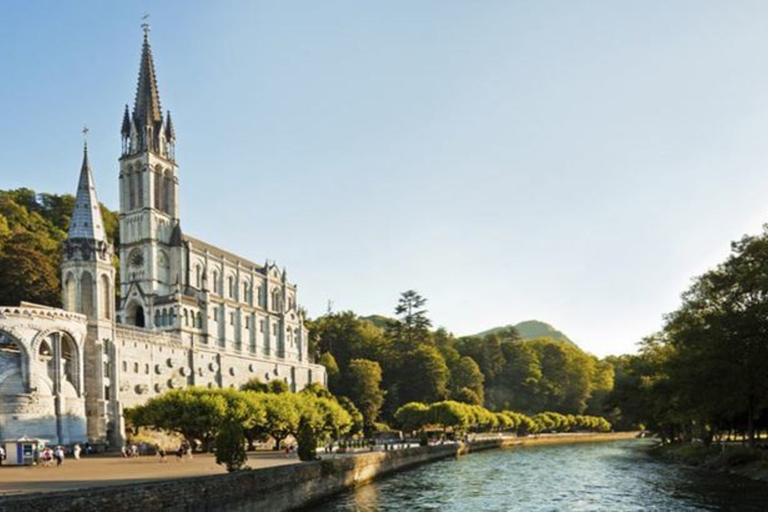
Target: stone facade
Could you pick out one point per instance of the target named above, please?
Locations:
(189, 313)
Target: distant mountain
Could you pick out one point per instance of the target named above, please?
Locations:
(533, 329)
(378, 320)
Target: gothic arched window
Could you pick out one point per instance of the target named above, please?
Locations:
(86, 294)
(139, 188)
(158, 203)
(105, 294)
(168, 205)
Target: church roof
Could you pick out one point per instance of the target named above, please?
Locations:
(86, 221)
(220, 253)
(146, 109)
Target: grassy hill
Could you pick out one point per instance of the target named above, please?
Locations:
(533, 329)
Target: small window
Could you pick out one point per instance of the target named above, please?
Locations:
(125, 366)
(261, 326)
(231, 319)
(146, 368)
(247, 323)
(135, 367)
(216, 315)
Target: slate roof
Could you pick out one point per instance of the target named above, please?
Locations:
(146, 109)
(86, 219)
(220, 253)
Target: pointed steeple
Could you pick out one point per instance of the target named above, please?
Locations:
(146, 109)
(86, 222)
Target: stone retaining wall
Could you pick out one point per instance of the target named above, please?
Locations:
(271, 489)
(274, 489)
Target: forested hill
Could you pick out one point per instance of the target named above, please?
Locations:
(32, 229)
(531, 329)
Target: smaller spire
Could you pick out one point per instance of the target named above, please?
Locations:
(86, 221)
(170, 133)
(126, 129)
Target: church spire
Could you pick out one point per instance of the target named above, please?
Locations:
(86, 222)
(146, 109)
(147, 113)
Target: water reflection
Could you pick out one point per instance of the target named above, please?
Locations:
(615, 476)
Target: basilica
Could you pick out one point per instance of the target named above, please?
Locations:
(188, 313)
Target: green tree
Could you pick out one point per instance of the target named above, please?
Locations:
(27, 274)
(363, 382)
(281, 416)
(278, 386)
(331, 369)
(307, 441)
(230, 446)
(423, 376)
(194, 413)
(412, 416)
(412, 327)
(255, 384)
(466, 381)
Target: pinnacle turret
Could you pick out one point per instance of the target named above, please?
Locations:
(125, 131)
(170, 132)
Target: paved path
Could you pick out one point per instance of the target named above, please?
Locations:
(103, 470)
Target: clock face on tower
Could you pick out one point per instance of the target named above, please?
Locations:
(137, 259)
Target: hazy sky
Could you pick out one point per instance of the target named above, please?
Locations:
(574, 162)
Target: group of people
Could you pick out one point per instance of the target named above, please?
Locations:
(184, 449)
(48, 455)
(130, 451)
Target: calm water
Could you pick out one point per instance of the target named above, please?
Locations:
(614, 476)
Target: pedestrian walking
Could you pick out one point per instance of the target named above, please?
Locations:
(161, 453)
(58, 454)
(76, 451)
(2, 455)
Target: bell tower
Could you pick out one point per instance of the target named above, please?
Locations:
(88, 286)
(149, 206)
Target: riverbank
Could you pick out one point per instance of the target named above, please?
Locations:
(275, 488)
(543, 439)
(734, 459)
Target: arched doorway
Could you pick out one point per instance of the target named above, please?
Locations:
(135, 315)
(139, 317)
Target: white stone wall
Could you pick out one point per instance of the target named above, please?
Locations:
(33, 378)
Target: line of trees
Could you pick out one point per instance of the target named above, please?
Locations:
(705, 375)
(383, 363)
(230, 418)
(461, 417)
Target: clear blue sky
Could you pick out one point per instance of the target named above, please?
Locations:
(574, 162)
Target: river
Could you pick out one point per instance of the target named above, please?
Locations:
(613, 476)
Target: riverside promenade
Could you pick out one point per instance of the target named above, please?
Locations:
(107, 470)
(278, 483)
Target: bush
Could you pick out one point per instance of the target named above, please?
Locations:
(307, 442)
(230, 446)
